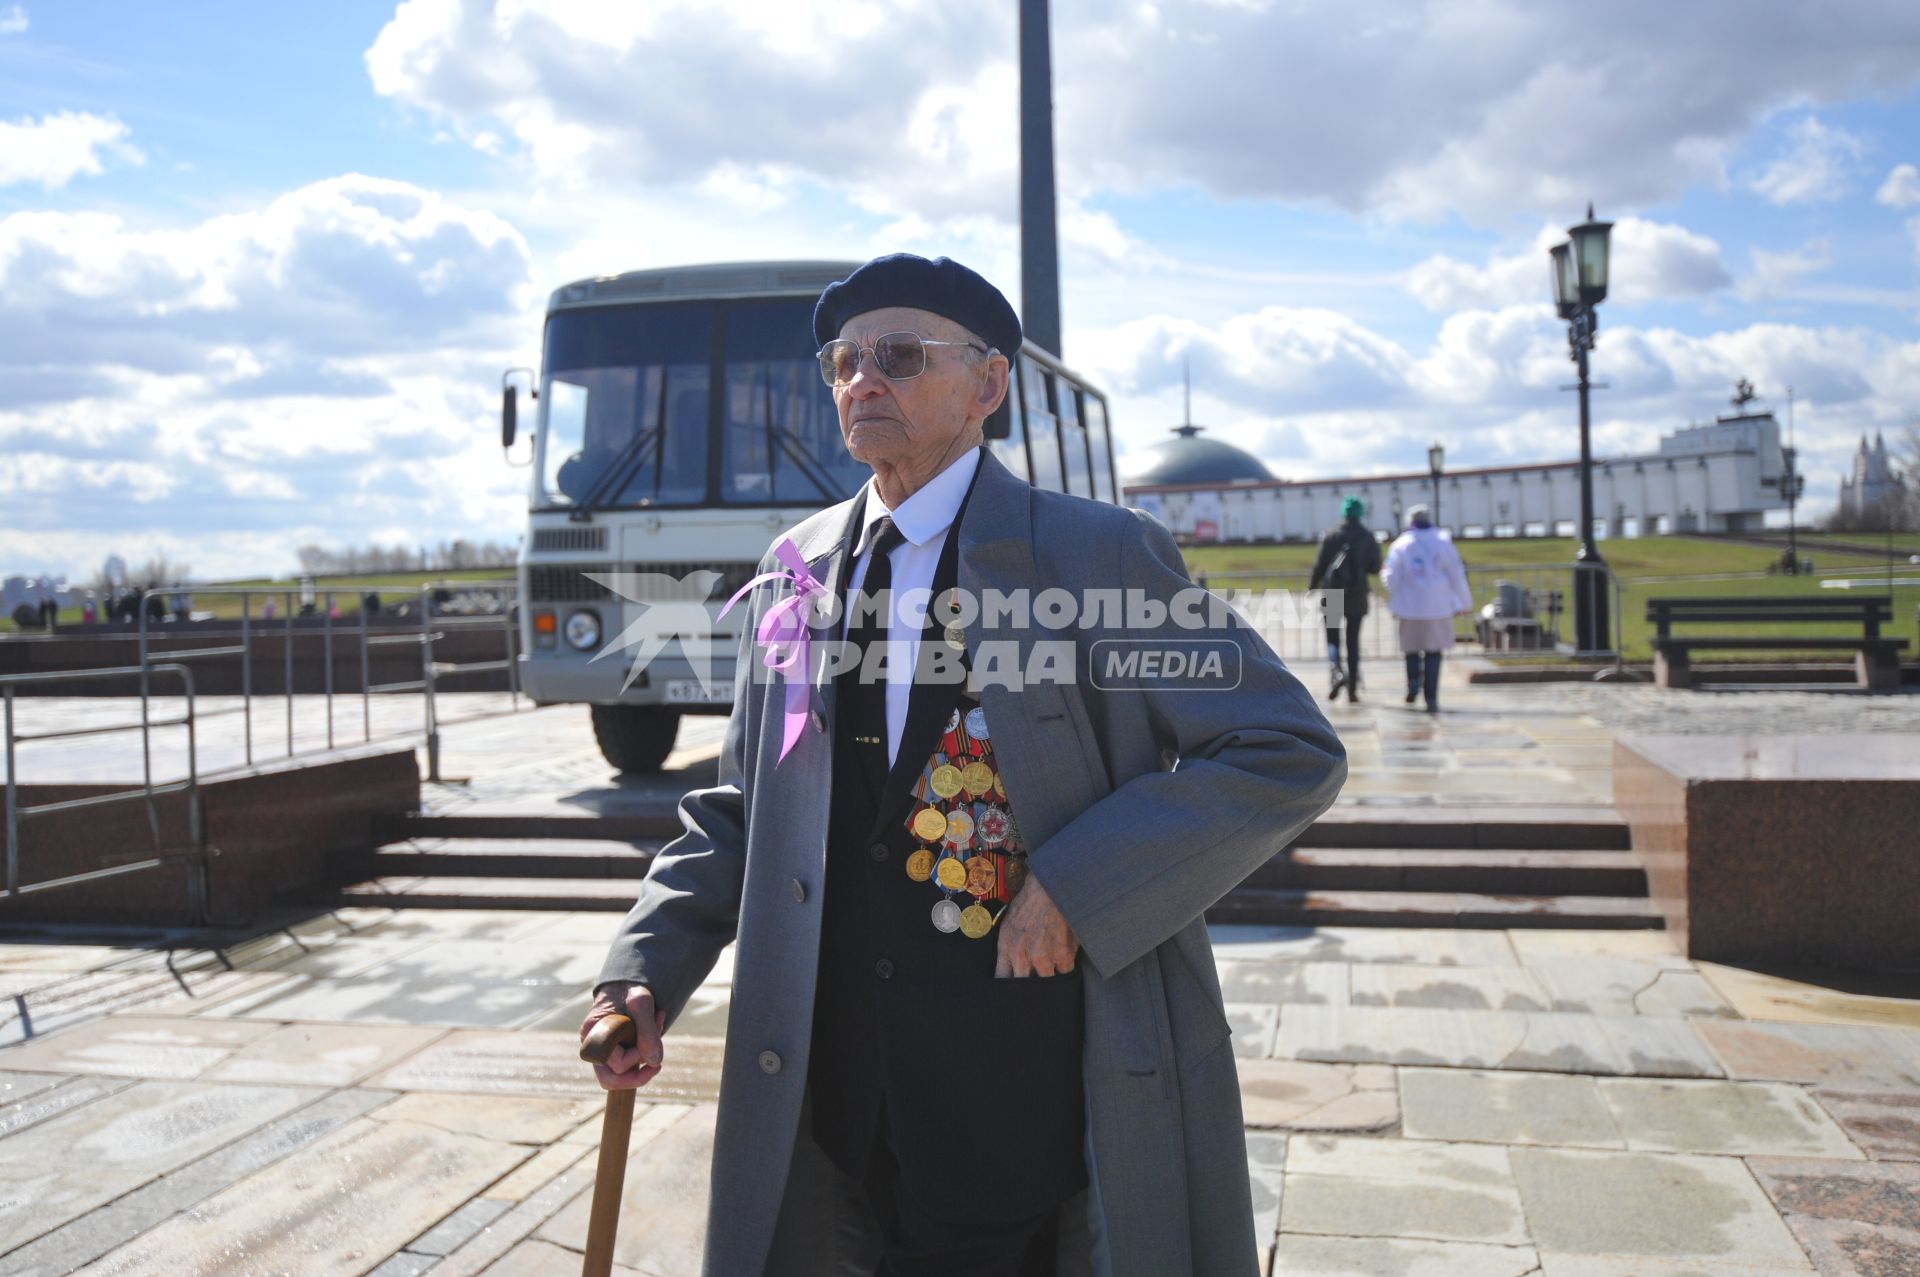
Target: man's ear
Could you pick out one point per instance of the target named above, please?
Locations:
(995, 380)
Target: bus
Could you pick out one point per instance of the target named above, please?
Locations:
(680, 425)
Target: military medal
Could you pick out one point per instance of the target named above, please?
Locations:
(977, 777)
(977, 723)
(953, 723)
(959, 829)
(946, 916)
(920, 865)
(952, 873)
(946, 780)
(930, 825)
(956, 638)
(999, 790)
(992, 826)
(975, 921)
(980, 877)
(1014, 875)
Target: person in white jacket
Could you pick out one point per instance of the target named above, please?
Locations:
(1426, 587)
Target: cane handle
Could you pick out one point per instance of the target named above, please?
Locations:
(610, 1031)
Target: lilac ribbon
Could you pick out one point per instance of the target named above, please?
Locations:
(783, 631)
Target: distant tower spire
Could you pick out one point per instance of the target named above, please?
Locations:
(1187, 430)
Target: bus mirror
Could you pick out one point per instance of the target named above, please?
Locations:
(999, 424)
(509, 412)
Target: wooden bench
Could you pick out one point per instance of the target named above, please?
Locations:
(1876, 659)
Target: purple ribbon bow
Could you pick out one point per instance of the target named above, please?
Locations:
(784, 633)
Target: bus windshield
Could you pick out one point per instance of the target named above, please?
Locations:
(630, 400)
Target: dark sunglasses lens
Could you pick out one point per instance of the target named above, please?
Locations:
(838, 362)
(900, 355)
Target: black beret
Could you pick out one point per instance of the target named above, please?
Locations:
(942, 286)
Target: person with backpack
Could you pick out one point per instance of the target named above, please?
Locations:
(1348, 556)
(1426, 587)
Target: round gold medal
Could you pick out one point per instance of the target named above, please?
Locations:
(980, 876)
(975, 922)
(945, 780)
(978, 777)
(1016, 875)
(999, 790)
(920, 865)
(930, 825)
(960, 829)
(952, 873)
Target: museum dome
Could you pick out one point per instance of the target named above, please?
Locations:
(1188, 458)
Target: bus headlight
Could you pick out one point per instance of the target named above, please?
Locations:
(583, 629)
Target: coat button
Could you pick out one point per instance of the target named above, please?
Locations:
(818, 719)
(879, 851)
(799, 890)
(884, 968)
(769, 1062)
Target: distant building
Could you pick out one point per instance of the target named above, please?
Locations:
(1708, 478)
(1872, 481)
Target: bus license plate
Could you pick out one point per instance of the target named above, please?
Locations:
(687, 691)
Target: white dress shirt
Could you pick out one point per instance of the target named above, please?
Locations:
(923, 520)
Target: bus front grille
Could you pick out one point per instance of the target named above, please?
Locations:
(552, 583)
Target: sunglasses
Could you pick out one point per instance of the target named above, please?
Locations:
(899, 356)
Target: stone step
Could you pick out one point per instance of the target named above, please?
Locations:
(1293, 908)
(524, 858)
(1486, 828)
(622, 822)
(1469, 870)
(612, 895)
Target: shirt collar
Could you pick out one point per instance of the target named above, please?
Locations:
(927, 513)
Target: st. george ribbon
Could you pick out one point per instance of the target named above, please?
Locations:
(784, 633)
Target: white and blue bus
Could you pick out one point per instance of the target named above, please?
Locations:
(681, 425)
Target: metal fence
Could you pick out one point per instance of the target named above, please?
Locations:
(437, 605)
(193, 856)
(1541, 591)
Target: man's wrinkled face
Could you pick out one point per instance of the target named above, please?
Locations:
(891, 423)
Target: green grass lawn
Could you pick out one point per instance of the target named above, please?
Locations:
(1647, 567)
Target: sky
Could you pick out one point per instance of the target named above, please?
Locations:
(261, 266)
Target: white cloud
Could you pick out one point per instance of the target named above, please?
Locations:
(13, 20)
(308, 370)
(1650, 261)
(1774, 274)
(55, 149)
(1481, 107)
(1901, 189)
(1820, 164)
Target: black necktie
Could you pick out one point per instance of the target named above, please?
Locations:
(867, 698)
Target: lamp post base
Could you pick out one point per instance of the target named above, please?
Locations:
(1592, 605)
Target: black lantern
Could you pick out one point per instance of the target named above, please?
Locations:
(1566, 281)
(1590, 255)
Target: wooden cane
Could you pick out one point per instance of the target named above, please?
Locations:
(610, 1175)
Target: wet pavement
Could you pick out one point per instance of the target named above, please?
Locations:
(395, 1091)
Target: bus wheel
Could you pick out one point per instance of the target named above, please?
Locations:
(635, 738)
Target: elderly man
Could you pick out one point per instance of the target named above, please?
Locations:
(976, 1027)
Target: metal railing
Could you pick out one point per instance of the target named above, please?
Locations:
(321, 604)
(194, 857)
(1547, 586)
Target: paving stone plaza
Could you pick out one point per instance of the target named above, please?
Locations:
(395, 1091)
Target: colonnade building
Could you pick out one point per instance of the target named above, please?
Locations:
(1720, 477)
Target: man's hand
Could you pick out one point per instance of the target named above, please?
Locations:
(628, 1066)
(1034, 936)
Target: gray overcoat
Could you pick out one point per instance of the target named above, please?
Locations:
(1141, 808)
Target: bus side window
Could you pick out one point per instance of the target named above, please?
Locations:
(1043, 442)
(1073, 439)
(1012, 450)
(1093, 410)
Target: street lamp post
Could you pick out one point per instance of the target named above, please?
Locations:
(1579, 284)
(1396, 514)
(1436, 458)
